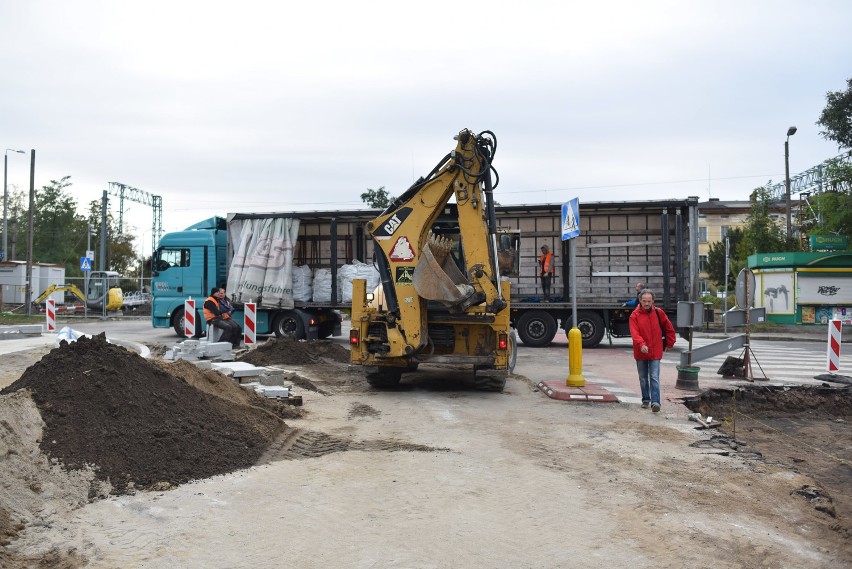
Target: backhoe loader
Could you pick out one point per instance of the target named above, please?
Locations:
(441, 299)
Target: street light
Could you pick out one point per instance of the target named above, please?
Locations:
(790, 132)
(6, 199)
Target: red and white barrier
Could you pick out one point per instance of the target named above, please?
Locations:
(250, 324)
(834, 330)
(189, 318)
(51, 315)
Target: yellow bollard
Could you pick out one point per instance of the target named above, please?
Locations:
(575, 359)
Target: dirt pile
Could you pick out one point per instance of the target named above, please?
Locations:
(136, 425)
(289, 351)
(805, 428)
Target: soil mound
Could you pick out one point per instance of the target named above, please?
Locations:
(289, 351)
(135, 424)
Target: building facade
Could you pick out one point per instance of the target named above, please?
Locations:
(715, 219)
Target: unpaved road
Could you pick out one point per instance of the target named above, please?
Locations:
(435, 474)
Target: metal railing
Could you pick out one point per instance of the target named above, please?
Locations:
(137, 299)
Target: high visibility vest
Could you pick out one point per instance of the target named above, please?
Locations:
(546, 261)
(210, 314)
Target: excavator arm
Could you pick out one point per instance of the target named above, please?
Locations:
(60, 288)
(417, 266)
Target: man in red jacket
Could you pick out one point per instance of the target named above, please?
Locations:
(652, 334)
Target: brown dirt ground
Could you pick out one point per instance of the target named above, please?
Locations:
(806, 429)
(116, 423)
(123, 424)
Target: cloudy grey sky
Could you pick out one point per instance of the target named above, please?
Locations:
(275, 106)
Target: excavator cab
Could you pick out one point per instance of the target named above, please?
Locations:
(104, 286)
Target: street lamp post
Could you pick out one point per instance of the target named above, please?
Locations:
(6, 200)
(790, 132)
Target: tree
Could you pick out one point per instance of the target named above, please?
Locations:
(716, 260)
(762, 234)
(830, 211)
(836, 117)
(379, 199)
(60, 234)
(120, 256)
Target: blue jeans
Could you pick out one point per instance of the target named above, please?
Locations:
(649, 379)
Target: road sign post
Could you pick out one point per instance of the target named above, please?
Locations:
(570, 230)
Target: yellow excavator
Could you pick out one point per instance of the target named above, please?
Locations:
(441, 300)
(102, 285)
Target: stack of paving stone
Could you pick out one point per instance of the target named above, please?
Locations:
(21, 330)
(271, 382)
(194, 350)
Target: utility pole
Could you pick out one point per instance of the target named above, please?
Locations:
(104, 206)
(29, 288)
(727, 273)
(790, 132)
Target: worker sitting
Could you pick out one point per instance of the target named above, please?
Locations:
(633, 302)
(218, 315)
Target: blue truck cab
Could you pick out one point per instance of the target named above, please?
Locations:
(188, 264)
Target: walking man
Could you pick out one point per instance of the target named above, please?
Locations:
(545, 262)
(652, 334)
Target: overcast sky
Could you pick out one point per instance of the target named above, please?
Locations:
(225, 107)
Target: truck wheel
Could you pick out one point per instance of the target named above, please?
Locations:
(326, 330)
(384, 376)
(178, 323)
(592, 328)
(288, 324)
(537, 328)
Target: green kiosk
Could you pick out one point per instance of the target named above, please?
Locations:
(805, 287)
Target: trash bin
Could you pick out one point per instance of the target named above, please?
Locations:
(709, 312)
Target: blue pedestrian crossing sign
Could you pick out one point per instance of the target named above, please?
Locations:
(85, 264)
(571, 219)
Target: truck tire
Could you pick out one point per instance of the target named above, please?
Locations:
(537, 328)
(326, 330)
(178, 323)
(384, 376)
(591, 326)
(289, 324)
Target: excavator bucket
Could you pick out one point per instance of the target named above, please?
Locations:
(437, 277)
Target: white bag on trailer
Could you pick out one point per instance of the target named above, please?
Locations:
(302, 283)
(261, 268)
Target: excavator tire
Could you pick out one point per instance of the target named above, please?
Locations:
(384, 376)
(485, 380)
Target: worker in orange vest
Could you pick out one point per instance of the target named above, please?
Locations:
(545, 262)
(217, 313)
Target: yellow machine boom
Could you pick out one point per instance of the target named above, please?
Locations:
(442, 299)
